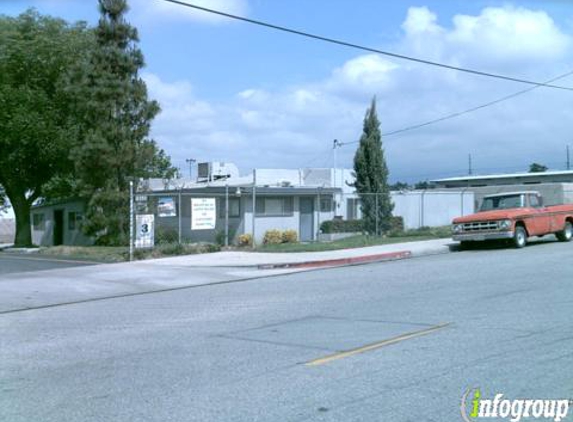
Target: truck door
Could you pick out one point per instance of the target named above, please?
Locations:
(541, 221)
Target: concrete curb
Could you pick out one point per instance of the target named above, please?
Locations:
(338, 262)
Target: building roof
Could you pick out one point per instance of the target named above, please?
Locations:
(544, 174)
(523, 192)
(299, 179)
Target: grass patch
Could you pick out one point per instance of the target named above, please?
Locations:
(361, 241)
(87, 253)
(109, 254)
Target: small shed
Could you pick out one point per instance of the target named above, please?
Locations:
(59, 223)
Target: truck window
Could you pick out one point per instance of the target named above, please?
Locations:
(534, 201)
(502, 202)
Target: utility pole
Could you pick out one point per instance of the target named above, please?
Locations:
(470, 170)
(190, 161)
(335, 145)
(568, 159)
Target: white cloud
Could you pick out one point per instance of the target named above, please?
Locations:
(294, 126)
(148, 11)
(497, 37)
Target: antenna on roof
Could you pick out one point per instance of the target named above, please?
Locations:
(470, 170)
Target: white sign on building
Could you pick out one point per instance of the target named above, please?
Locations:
(203, 213)
(144, 231)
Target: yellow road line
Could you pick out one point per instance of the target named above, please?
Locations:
(28, 258)
(377, 345)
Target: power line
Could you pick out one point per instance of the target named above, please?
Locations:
(467, 111)
(364, 48)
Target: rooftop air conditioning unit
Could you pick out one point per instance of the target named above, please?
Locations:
(216, 170)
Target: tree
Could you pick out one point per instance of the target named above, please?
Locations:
(116, 115)
(35, 124)
(372, 175)
(537, 168)
(400, 186)
(423, 185)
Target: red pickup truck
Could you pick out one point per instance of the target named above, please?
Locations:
(514, 217)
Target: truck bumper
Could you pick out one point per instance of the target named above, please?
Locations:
(478, 237)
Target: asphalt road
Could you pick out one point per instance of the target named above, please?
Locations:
(20, 263)
(269, 349)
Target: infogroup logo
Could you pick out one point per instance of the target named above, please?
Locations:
(474, 407)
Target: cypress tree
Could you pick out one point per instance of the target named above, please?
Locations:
(371, 174)
(116, 115)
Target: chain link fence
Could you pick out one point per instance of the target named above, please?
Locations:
(222, 214)
(420, 208)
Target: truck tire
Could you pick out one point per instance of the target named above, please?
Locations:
(465, 245)
(520, 237)
(566, 234)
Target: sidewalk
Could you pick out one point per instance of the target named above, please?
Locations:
(267, 260)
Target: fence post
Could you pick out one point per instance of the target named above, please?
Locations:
(179, 214)
(226, 214)
(423, 209)
(254, 204)
(318, 217)
(377, 215)
(131, 224)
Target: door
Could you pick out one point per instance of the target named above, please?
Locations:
(58, 227)
(541, 221)
(306, 219)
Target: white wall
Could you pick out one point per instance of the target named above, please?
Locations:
(431, 208)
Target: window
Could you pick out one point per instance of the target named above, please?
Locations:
(38, 221)
(234, 207)
(274, 206)
(534, 201)
(326, 205)
(352, 208)
(74, 220)
(502, 202)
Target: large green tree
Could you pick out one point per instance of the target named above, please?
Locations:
(36, 124)
(371, 174)
(116, 114)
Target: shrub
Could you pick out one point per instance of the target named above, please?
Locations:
(290, 236)
(245, 240)
(342, 226)
(273, 237)
(220, 237)
(166, 235)
(396, 226)
(171, 249)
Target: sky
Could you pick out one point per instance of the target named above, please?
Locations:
(235, 92)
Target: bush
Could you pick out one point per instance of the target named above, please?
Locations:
(396, 226)
(166, 235)
(273, 237)
(245, 240)
(220, 237)
(115, 239)
(290, 236)
(435, 232)
(342, 226)
(172, 249)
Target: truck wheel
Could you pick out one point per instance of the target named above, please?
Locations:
(519, 237)
(465, 245)
(566, 234)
